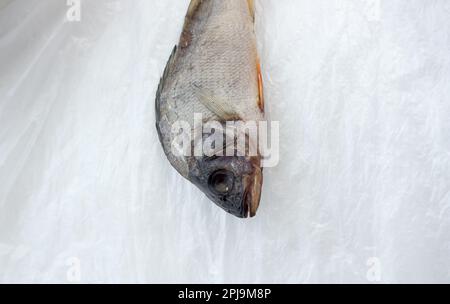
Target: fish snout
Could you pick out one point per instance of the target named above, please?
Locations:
(252, 194)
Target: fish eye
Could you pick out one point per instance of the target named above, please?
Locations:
(221, 182)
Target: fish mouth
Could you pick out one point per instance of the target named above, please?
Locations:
(252, 194)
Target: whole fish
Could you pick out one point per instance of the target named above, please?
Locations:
(214, 71)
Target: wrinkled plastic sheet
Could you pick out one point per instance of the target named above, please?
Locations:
(361, 194)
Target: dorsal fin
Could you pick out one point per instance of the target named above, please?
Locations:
(162, 82)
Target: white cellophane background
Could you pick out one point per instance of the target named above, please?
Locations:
(361, 89)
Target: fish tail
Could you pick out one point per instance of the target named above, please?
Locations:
(193, 7)
(195, 4)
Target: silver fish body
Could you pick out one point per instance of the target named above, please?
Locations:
(214, 71)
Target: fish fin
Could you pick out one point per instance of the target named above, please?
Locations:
(186, 35)
(193, 10)
(162, 83)
(256, 191)
(260, 87)
(216, 104)
(251, 8)
(193, 7)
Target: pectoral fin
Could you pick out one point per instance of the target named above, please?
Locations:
(216, 104)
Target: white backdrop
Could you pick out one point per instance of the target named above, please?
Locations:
(362, 192)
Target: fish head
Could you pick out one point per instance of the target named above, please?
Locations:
(231, 182)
